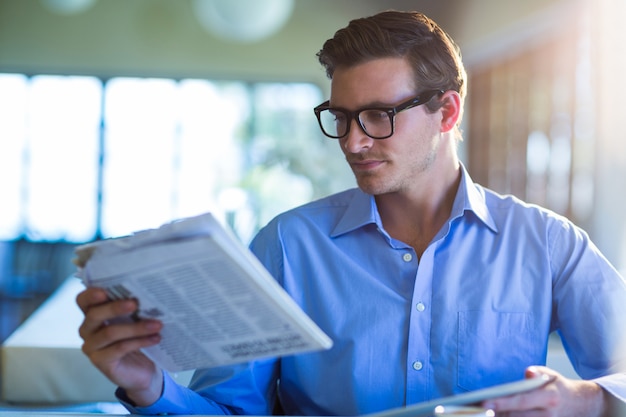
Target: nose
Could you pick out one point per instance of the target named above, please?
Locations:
(356, 140)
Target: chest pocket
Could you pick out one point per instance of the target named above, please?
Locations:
(496, 347)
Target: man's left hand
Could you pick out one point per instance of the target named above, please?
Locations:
(562, 397)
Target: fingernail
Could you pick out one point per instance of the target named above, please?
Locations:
(152, 325)
(129, 305)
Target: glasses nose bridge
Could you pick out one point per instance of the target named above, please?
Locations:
(355, 116)
(356, 139)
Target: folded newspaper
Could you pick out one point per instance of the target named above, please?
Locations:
(218, 304)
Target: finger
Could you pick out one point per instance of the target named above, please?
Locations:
(538, 371)
(546, 396)
(542, 398)
(97, 316)
(108, 358)
(90, 297)
(140, 334)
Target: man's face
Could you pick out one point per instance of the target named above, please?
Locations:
(402, 161)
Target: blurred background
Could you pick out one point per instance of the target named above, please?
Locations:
(119, 115)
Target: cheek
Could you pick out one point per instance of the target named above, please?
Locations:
(341, 143)
(427, 134)
(421, 124)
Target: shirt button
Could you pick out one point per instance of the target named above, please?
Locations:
(417, 365)
(420, 307)
(407, 257)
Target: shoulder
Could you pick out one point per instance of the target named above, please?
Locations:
(300, 232)
(320, 215)
(506, 207)
(530, 222)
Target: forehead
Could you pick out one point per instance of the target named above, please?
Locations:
(379, 81)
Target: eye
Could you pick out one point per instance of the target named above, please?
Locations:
(339, 116)
(375, 116)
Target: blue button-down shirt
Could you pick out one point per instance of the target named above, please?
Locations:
(474, 311)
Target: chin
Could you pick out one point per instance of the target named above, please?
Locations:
(377, 189)
(368, 187)
(374, 184)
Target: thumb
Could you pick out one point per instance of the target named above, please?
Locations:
(532, 372)
(544, 372)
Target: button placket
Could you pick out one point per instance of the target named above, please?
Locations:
(418, 365)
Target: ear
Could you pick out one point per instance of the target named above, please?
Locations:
(450, 111)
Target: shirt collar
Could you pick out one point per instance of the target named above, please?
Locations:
(362, 210)
(471, 197)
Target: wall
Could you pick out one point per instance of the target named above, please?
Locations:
(163, 38)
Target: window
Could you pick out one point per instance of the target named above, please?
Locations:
(49, 128)
(81, 158)
(531, 122)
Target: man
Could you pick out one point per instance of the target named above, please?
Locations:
(428, 284)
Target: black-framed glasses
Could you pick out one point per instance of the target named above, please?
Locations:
(376, 122)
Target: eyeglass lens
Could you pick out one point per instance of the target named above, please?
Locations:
(376, 123)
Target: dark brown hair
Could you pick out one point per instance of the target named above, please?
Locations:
(433, 55)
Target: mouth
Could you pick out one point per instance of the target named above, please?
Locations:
(365, 165)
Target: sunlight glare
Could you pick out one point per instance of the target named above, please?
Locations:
(13, 104)
(63, 153)
(140, 120)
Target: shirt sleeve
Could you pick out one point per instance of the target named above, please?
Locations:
(615, 384)
(175, 399)
(590, 304)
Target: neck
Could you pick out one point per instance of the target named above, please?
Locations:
(416, 216)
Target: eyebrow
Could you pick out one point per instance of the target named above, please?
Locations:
(370, 105)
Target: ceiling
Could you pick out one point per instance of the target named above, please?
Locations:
(164, 38)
